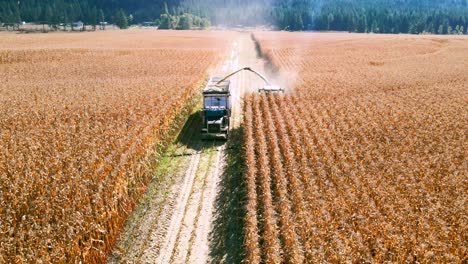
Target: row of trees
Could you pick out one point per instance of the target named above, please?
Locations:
(51, 12)
(60, 11)
(181, 21)
(167, 20)
(63, 11)
(14, 11)
(184, 21)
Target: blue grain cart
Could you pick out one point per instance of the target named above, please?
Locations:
(216, 109)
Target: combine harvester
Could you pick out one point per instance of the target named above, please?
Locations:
(217, 104)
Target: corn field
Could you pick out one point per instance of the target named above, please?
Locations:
(80, 128)
(364, 160)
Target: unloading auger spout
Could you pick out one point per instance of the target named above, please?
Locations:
(268, 88)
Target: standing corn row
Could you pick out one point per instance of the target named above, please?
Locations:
(292, 250)
(289, 147)
(251, 223)
(270, 244)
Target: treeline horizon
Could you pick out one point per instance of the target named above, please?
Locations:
(378, 16)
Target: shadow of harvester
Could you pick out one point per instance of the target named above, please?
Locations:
(227, 234)
(190, 135)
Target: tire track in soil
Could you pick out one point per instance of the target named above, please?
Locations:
(170, 240)
(192, 211)
(201, 234)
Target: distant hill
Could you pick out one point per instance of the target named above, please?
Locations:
(381, 16)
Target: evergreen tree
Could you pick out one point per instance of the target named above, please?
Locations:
(48, 15)
(374, 27)
(121, 19)
(102, 19)
(165, 21)
(94, 18)
(185, 22)
(299, 24)
(201, 22)
(166, 10)
(330, 19)
(440, 31)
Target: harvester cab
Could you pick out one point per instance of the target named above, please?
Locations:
(216, 108)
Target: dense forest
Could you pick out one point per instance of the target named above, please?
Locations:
(380, 16)
(397, 16)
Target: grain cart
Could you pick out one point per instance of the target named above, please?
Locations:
(216, 108)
